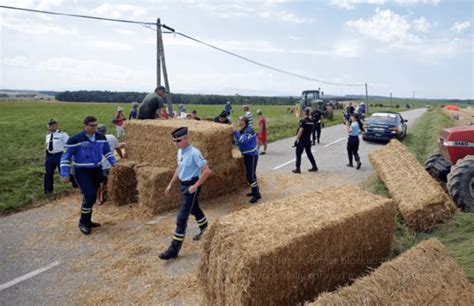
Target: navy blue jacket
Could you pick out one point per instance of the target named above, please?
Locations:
(85, 153)
(247, 141)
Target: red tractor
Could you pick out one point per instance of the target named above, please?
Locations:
(454, 164)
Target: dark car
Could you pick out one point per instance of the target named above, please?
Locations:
(384, 126)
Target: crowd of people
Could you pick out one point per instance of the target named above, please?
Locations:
(86, 158)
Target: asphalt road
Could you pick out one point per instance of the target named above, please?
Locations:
(42, 252)
(330, 154)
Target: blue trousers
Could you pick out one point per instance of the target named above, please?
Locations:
(250, 162)
(51, 164)
(89, 180)
(189, 205)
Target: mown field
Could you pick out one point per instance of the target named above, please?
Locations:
(23, 128)
(458, 234)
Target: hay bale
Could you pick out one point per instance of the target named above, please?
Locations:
(152, 182)
(421, 200)
(423, 275)
(287, 251)
(122, 183)
(150, 141)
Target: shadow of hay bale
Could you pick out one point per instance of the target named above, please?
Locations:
(287, 251)
(423, 275)
(421, 200)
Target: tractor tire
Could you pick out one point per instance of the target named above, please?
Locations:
(438, 167)
(461, 183)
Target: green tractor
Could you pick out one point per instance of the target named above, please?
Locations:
(314, 99)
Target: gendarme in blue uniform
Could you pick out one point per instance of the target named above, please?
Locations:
(190, 162)
(86, 154)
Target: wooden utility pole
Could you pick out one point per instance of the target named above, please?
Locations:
(161, 62)
(366, 99)
(158, 56)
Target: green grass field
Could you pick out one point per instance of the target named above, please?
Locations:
(458, 234)
(23, 128)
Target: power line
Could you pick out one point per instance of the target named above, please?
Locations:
(78, 16)
(149, 25)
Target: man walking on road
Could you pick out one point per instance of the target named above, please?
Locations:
(86, 149)
(152, 104)
(317, 117)
(192, 172)
(303, 142)
(55, 141)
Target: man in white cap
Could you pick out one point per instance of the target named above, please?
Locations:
(119, 119)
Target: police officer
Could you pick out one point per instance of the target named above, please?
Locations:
(247, 141)
(86, 149)
(317, 117)
(192, 172)
(303, 142)
(55, 141)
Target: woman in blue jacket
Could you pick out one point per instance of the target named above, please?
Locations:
(247, 142)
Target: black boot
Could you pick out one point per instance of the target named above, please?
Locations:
(255, 195)
(94, 224)
(198, 236)
(314, 169)
(172, 251)
(350, 165)
(297, 170)
(358, 165)
(85, 229)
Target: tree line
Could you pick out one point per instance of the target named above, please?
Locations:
(132, 96)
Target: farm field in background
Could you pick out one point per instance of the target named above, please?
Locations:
(23, 127)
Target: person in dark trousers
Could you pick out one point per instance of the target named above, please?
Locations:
(354, 129)
(85, 149)
(303, 142)
(55, 142)
(151, 106)
(247, 141)
(317, 118)
(192, 172)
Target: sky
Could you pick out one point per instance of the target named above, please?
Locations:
(404, 47)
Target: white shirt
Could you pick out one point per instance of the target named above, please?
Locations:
(114, 144)
(250, 117)
(59, 140)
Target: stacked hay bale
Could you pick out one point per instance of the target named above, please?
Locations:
(152, 161)
(421, 200)
(122, 183)
(150, 141)
(287, 251)
(424, 275)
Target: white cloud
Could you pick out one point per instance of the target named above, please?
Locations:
(263, 10)
(351, 4)
(118, 10)
(421, 24)
(35, 27)
(460, 26)
(385, 26)
(108, 45)
(48, 4)
(17, 61)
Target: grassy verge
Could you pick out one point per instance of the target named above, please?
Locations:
(458, 234)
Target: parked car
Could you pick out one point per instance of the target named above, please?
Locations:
(384, 126)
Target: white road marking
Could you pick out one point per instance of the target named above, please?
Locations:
(334, 142)
(290, 161)
(28, 276)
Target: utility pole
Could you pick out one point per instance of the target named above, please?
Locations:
(390, 97)
(158, 56)
(161, 61)
(367, 99)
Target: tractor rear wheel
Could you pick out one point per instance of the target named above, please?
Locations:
(461, 183)
(438, 167)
